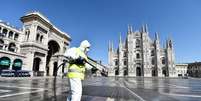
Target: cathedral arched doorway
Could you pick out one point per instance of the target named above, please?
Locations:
(125, 71)
(53, 47)
(154, 71)
(116, 71)
(138, 71)
(164, 72)
(36, 66)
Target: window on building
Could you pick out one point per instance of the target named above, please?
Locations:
(5, 31)
(42, 29)
(12, 47)
(37, 37)
(152, 53)
(27, 33)
(67, 44)
(16, 36)
(1, 44)
(41, 38)
(125, 62)
(0, 32)
(152, 61)
(10, 35)
(125, 54)
(116, 62)
(138, 43)
(163, 61)
(137, 55)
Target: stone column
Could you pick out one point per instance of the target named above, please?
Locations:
(6, 47)
(43, 65)
(51, 68)
(13, 36)
(11, 64)
(28, 63)
(147, 72)
(59, 72)
(7, 34)
(3, 47)
(131, 70)
(1, 29)
(32, 36)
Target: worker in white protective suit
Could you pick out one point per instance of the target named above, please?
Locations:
(76, 69)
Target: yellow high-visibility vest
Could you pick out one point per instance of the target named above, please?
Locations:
(77, 70)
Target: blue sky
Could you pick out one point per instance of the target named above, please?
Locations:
(101, 20)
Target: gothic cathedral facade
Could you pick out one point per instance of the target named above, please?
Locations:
(139, 55)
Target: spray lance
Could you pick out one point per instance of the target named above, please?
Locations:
(102, 69)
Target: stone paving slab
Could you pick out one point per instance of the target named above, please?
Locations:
(101, 89)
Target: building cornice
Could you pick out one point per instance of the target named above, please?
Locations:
(44, 20)
(12, 53)
(34, 45)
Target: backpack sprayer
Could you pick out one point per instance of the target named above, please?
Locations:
(94, 69)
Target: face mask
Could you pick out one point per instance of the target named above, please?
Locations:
(87, 49)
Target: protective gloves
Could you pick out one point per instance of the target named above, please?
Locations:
(80, 60)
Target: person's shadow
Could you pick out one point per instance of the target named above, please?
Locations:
(55, 89)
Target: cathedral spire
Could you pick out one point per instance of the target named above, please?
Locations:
(112, 47)
(156, 36)
(169, 43)
(144, 28)
(109, 46)
(120, 40)
(130, 30)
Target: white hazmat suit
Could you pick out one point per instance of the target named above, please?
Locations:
(76, 83)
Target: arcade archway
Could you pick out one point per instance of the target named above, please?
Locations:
(17, 64)
(4, 63)
(36, 66)
(53, 47)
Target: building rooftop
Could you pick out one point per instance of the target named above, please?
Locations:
(37, 13)
(9, 25)
(195, 63)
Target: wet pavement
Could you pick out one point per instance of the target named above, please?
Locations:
(102, 89)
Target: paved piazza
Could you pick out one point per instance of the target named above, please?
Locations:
(102, 89)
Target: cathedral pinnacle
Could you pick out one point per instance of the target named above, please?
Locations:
(120, 40)
(156, 36)
(130, 30)
(145, 28)
(109, 47)
(112, 47)
(169, 43)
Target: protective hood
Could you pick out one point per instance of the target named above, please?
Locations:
(84, 46)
